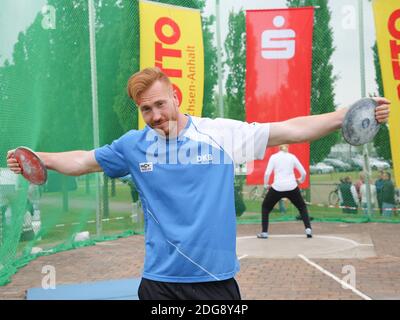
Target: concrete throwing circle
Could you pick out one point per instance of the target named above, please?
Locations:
(320, 246)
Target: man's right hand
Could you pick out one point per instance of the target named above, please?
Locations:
(70, 163)
(12, 163)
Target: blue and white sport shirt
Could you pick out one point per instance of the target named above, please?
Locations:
(186, 186)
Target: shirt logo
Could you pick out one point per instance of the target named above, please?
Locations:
(204, 158)
(146, 166)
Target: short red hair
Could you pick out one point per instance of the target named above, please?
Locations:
(144, 79)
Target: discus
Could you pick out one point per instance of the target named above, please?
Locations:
(32, 168)
(359, 124)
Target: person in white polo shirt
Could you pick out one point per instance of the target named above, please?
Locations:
(285, 185)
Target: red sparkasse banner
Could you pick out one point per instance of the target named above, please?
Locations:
(278, 75)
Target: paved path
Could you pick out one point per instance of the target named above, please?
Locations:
(377, 275)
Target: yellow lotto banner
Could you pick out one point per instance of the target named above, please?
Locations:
(171, 38)
(387, 22)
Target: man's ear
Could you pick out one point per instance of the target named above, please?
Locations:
(175, 98)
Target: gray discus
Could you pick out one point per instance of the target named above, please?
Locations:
(359, 124)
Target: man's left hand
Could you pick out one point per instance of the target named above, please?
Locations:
(382, 110)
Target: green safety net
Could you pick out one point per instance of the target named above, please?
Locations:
(46, 104)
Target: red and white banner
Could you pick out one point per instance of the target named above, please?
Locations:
(278, 76)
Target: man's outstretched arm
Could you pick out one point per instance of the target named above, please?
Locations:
(71, 163)
(311, 128)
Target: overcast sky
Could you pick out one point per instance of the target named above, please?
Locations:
(17, 15)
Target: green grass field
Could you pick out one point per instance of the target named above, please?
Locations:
(326, 214)
(334, 177)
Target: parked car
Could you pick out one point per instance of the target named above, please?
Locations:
(321, 167)
(338, 164)
(374, 163)
(377, 164)
(355, 164)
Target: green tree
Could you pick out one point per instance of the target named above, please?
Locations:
(58, 60)
(108, 24)
(235, 48)
(127, 41)
(323, 80)
(5, 114)
(381, 140)
(48, 85)
(210, 68)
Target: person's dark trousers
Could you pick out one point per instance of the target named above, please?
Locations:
(212, 290)
(380, 205)
(274, 196)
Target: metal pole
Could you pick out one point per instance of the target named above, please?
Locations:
(367, 170)
(95, 109)
(219, 61)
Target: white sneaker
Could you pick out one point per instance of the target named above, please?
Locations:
(309, 233)
(262, 235)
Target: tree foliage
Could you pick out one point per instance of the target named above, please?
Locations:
(323, 79)
(48, 81)
(381, 140)
(210, 68)
(235, 49)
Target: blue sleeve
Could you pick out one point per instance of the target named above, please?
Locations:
(112, 160)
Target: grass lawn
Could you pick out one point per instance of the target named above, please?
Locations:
(334, 177)
(253, 214)
(59, 227)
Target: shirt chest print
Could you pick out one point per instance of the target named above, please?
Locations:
(146, 166)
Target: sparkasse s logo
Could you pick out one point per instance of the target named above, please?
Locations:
(279, 43)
